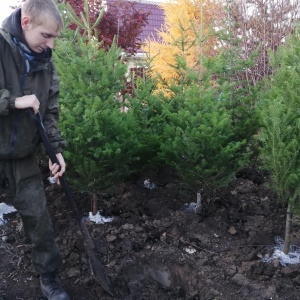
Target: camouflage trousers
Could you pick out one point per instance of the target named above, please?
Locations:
(28, 197)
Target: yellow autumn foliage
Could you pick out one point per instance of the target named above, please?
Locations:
(186, 34)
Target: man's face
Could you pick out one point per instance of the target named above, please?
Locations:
(39, 37)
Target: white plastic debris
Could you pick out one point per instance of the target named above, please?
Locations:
(292, 258)
(194, 207)
(5, 209)
(149, 185)
(190, 207)
(98, 219)
(4, 238)
(190, 250)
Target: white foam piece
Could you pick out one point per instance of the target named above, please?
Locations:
(5, 209)
(98, 219)
(292, 258)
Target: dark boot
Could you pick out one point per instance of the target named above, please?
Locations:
(51, 288)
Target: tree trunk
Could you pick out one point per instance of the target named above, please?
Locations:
(288, 222)
(199, 203)
(94, 204)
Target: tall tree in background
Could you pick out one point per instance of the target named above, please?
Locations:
(107, 20)
(185, 36)
(257, 27)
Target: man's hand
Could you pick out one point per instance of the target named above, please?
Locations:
(58, 170)
(28, 101)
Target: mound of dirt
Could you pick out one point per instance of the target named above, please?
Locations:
(157, 247)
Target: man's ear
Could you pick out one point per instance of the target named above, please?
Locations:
(25, 21)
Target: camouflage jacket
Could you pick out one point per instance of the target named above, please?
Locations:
(18, 134)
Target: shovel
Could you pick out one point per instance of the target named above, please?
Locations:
(98, 271)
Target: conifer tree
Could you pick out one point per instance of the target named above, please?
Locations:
(280, 134)
(102, 141)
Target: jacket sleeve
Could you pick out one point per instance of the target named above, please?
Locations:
(7, 102)
(51, 116)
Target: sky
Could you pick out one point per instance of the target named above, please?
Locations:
(5, 9)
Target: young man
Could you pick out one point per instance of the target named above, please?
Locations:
(28, 81)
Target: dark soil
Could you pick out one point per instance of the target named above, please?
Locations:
(156, 249)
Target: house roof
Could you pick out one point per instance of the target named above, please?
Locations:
(155, 19)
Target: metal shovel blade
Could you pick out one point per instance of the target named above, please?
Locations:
(99, 273)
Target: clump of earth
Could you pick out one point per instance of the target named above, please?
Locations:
(157, 247)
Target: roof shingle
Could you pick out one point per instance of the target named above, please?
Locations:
(155, 20)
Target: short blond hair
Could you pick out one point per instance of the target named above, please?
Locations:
(38, 10)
